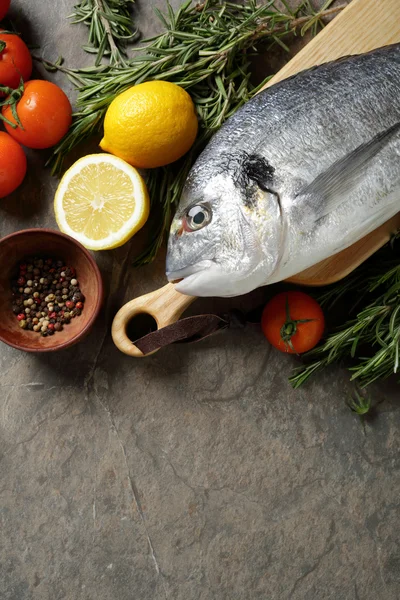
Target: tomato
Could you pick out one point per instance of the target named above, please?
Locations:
(293, 322)
(15, 59)
(45, 114)
(4, 6)
(12, 164)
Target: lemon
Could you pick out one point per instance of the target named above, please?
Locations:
(101, 202)
(150, 125)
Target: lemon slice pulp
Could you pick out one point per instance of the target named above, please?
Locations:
(101, 201)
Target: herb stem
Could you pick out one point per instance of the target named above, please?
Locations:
(110, 37)
(110, 27)
(296, 23)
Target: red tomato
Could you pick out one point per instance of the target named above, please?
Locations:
(15, 59)
(12, 164)
(45, 114)
(4, 6)
(293, 322)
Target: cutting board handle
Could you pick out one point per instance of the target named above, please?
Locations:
(165, 305)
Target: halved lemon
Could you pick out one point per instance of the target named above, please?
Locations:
(101, 202)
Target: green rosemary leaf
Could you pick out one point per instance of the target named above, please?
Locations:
(161, 17)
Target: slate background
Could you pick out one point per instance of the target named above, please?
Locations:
(198, 474)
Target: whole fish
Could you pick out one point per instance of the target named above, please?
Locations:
(303, 170)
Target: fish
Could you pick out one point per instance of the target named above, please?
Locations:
(303, 170)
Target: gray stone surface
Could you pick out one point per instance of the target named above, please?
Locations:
(198, 474)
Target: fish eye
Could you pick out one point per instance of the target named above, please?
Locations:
(197, 216)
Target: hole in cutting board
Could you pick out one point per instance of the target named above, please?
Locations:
(140, 325)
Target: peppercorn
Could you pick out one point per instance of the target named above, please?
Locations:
(44, 303)
(78, 297)
(23, 324)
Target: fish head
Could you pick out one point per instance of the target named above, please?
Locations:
(225, 237)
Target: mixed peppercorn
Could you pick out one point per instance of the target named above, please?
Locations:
(46, 295)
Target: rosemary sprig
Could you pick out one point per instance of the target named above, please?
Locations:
(110, 27)
(206, 50)
(371, 339)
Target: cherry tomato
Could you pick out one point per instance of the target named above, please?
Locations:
(4, 6)
(293, 322)
(12, 164)
(15, 59)
(45, 114)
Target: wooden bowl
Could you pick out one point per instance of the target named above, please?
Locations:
(17, 247)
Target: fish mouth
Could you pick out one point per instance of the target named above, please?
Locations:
(179, 275)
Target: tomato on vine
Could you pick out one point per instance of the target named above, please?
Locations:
(293, 322)
(15, 60)
(44, 113)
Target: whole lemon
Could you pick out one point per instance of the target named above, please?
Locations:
(150, 125)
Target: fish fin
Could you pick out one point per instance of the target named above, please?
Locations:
(333, 184)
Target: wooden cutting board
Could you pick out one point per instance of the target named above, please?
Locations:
(362, 26)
